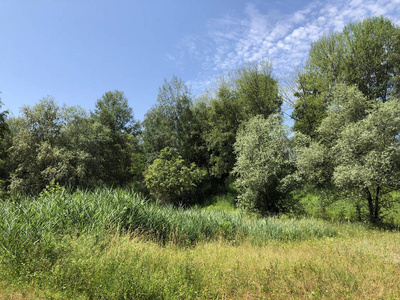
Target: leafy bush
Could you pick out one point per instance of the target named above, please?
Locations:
(169, 180)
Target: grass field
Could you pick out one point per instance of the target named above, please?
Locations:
(115, 245)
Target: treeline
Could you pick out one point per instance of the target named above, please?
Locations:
(345, 138)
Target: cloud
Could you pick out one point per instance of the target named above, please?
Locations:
(284, 39)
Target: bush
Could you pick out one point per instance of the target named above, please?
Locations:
(169, 180)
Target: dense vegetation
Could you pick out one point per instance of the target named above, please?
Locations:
(345, 141)
(99, 205)
(113, 244)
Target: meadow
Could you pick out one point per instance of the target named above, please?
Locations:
(114, 244)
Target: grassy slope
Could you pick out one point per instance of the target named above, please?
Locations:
(79, 257)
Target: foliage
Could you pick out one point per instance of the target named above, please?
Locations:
(169, 123)
(263, 160)
(365, 54)
(257, 89)
(358, 149)
(65, 145)
(248, 92)
(4, 155)
(223, 123)
(169, 180)
(113, 111)
(372, 56)
(367, 156)
(34, 152)
(122, 130)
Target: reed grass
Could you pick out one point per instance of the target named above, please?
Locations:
(104, 244)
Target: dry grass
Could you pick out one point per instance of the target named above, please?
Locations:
(356, 268)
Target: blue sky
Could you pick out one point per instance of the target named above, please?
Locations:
(76, 50)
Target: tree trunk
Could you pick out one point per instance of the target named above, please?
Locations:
(377, 206)
(373, 205)
(370, 205)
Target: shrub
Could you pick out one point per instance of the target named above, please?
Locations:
(169, 180)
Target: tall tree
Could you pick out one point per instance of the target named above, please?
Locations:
(358, 149)
(169, 122)
(365, 54)
(263, 160)
(370, 61)
(250, 91)
(225, 117)
(257, 89)
(113, 112)
(4, 132)
(35, 155)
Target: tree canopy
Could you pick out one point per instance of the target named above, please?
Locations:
(263, 160)
(358, 150)
(365, 54)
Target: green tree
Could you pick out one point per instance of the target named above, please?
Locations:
(65, 146)
(3, 122)
(370, 60)
(169, 180)
(365, 54)
(257, 89)
(169, 122)
(358, 151)
(250, 91)
(35, 156)
(116, 154)
(367, 157)
(113, 111)
(263, 160)
(88, 140)
(224, 118)
(4, 145)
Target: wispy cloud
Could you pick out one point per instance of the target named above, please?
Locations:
(282, 38)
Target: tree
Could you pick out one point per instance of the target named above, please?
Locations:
(4, 144)
(3, 122)
(36, 158)
(263, 160)
(42, 152)
(113, 111)
(370, 61)
(43, 120)
(225, 117)
(169, 180)
(250, 91)
(357, 150)
(365, 54)
(88, 140)
(257, 89)
(367, 156)
(116, 155)
(169, 122)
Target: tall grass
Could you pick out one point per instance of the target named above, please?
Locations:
(93, 212)
(125, 267)
(115, 244)
(31, 229)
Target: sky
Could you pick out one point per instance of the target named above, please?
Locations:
(76, 50)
